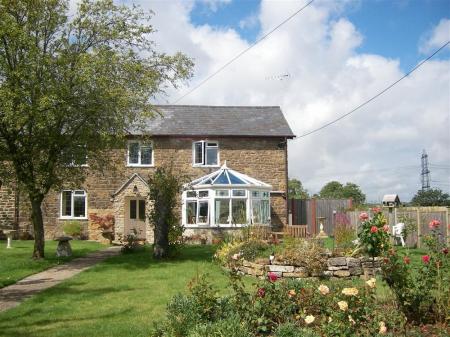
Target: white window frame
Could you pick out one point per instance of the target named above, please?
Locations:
(197, 199)
(141, 144)
(61, 216)
(205, 145)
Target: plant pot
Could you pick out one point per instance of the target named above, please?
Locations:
(109, 235)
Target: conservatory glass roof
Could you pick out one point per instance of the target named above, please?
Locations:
(228, 177)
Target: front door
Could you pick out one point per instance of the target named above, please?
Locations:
(135, 217)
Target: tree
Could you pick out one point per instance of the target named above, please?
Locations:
(296, 190)
(335, 190)
(431, 197)
(164, 189)
(71, 87)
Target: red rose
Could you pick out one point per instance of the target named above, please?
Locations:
(386, 260)
(272, 277)
(261, 292)
(374, 229)
(434, 224)
(445, 251)
(376, 210)
(406, 259)
(425, 259)
(363, 216)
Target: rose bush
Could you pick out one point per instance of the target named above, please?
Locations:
(422, 293)
(374, 233)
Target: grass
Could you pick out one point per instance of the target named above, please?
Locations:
(121, 296)
(16, 263)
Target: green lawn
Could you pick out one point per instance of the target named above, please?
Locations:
(16, 263)
(122, 296)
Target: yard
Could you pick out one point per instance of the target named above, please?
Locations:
(16, 263)
(122, 296)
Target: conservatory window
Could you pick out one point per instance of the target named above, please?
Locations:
(197, 209)
(206, 153)
(239, 211)
(191, 212)
(203, 212)
(222, 211)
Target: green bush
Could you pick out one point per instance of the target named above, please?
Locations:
(291, 330)
(183, 314)
(229, 327)
(72, 228)
(344, 236)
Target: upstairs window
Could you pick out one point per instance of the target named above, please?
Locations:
(73, 204)
(140, 154)
(206, 153)
(76, 157)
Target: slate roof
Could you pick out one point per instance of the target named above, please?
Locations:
(202, 120)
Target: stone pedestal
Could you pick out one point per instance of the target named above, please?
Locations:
(64, 249)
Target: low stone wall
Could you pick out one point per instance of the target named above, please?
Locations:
(336, 267)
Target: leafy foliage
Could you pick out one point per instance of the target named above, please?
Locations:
(374, 233)
(335, 190)
(296, 190)
(164, 188)
(431, 197)
(71, 86)
(423, 294)
(278, 308)
(72, 228)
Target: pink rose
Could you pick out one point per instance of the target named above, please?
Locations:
(363, 216)
(386, 228)
(426, 259)
(374, 229)
(272, 277)
(376, 210)
(261, 292)
(434, 224)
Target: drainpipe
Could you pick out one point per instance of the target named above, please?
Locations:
(287, 179)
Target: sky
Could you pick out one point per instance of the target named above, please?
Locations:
(327, 60)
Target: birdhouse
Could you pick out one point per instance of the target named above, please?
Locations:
(391, 200)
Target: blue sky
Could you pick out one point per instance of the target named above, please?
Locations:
(391, 28)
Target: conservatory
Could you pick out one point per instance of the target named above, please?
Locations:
(226, 198)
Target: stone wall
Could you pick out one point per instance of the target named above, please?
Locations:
(337, 267)
(260, 158)
(7, 206)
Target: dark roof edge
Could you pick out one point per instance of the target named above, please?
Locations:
(217, 106)
(215, 135)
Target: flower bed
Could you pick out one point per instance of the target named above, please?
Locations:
(336, 267)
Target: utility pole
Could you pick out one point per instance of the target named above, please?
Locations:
(425, 175)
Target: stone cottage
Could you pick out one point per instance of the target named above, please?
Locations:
(235, 155)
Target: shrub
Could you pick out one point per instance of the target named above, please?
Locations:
(423, 295)
(304, 253)
(344, 235)
(231, 252)
(183, 314)
(291, 330)
(72, 228)
(229, 327)
(374, 233)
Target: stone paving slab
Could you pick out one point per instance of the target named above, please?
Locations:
(11, 296)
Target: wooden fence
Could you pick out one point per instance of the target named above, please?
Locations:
(309, 213)
(417, 217)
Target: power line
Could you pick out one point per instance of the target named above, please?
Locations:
(243, 52)
(374, 97)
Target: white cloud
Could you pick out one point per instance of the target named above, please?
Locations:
(437, 37)
(250, 21)
(328, 77)
(214, 5)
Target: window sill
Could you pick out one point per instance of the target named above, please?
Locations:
(196, 165)
(72, 218)
(139, 165)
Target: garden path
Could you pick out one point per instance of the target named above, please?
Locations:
(11, 296)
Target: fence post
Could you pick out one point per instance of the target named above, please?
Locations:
(419, 227)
